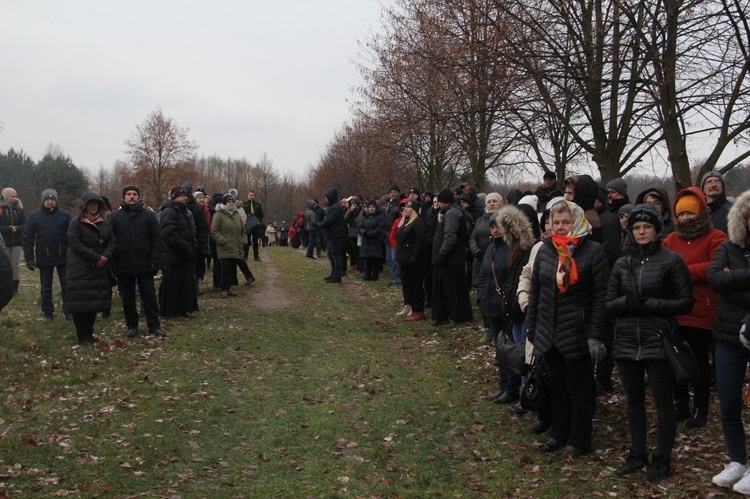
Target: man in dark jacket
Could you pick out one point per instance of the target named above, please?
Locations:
(138, 249)
(254, 208)
(450, 289)
(391, 214)
(334, 228)
(712, 185)
(47, 230)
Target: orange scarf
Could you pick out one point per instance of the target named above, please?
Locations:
(567, 270)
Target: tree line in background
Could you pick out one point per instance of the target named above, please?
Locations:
(491, 92)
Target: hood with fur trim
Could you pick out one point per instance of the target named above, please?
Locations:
(737, 220)
(516, 225)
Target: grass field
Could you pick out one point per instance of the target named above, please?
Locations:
(292, 389)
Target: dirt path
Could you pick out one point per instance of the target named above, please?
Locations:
(267, 293)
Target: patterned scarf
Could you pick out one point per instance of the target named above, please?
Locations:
(567, 270)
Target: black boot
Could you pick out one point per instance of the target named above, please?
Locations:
(699, 419)
(635, 461)
(659, 469)
(15, 287)
(682, 409)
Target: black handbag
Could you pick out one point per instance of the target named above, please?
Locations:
(509, 355)
(534, 392)
(682, 364)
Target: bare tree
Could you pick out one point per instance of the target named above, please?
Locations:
(161, 154)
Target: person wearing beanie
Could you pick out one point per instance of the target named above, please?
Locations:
(450, 289)
(648, 289)
(617, 194)
(138, 254)
(230, 235)
(91, 248)
(623, 214)
(178, 293)
(697, 241)
(12, 220)
(45, 247)
(714, 189)
(549, 189)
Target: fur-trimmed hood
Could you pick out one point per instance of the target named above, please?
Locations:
(517, 227)
(737, 220)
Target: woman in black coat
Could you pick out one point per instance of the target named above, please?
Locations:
(647, 290)
(567, 323)
(91, 244)
(411, 248)
(178, 293)
(371, 251)
(729, 275)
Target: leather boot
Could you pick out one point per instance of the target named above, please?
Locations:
(636, 460)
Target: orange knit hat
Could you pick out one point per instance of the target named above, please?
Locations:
(688, 202)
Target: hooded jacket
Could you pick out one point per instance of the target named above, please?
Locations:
(177, 232)
(697, 248)
(311, 219)
(89, 288)
(333, 224)
(451, 238)
(371, 230)
(229, 233)
(666, 215)
(729, 274)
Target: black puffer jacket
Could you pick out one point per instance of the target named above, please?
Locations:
(139, 244)
(732, 284)
(566, 320)
(659, 276)
(371, 230)
(45, 237)
(89, 288)
(177, 232)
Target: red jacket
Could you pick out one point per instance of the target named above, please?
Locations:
(698, 254)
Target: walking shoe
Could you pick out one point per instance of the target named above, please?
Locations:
(733, 473)
(227, 294)
(415, 316)
(743, 486)
(257, 259)
(132, 332)
(493, 396)
(517, 410)
(47, 318)
(539, 427)
(158, 332)
(250, 280)
(404, 311)
(333, 280)
(551, 445)
(635, 461)
(698, 420)
(507, 398)
(661, 468)
(570, 452)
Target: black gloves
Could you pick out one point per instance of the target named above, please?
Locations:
(636, 306)
(31, 265)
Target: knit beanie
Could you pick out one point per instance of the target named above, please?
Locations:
(227, 198)
(414, 205)
(49, 194)
(495, 196)
(688, 202)
(619, 185)
(645, 213)
(550, 175)
(176, 191)
(8, 192)
(625, 209)
(394, 187)
(130, 188)
(712, 174)
(446, 196)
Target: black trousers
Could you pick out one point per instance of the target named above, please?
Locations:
(412, 277)
(84, 323)
(126, 284)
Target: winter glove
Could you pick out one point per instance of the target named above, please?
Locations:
(102, 262)
(636, 306)
(597, 350)
(31, 265)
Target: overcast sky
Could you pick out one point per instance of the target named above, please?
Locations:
(246, 76)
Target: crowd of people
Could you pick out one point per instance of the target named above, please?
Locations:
(587, 280)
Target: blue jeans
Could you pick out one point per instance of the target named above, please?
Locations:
(390, 261)
(312, 243)
(731, 361)
(46, 276)
(334, 256)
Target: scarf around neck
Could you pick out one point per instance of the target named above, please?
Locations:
(567, 270)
